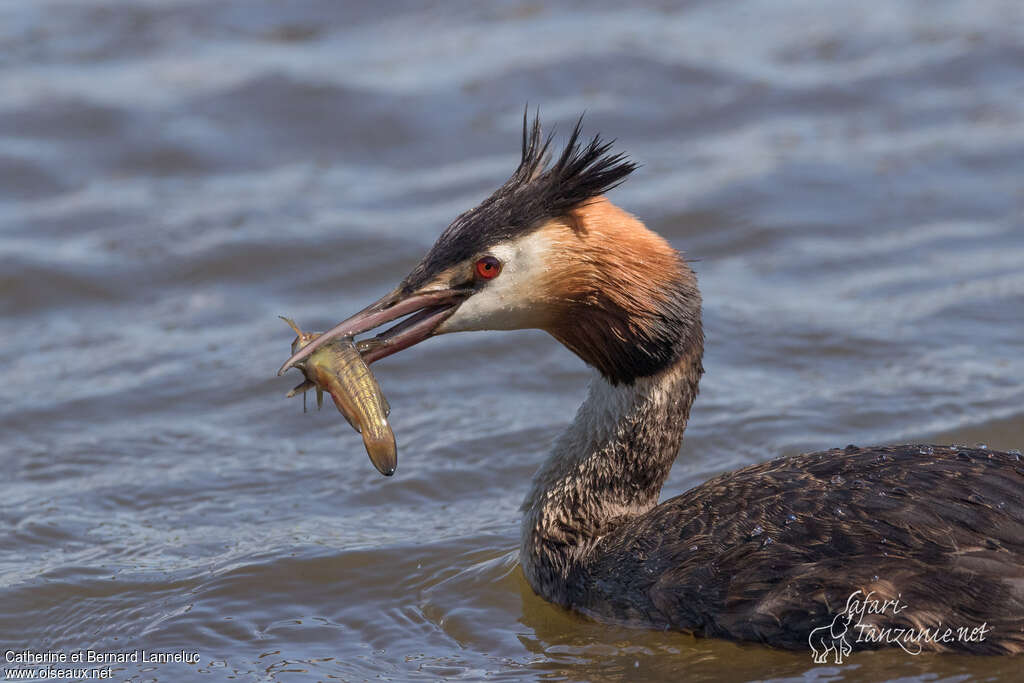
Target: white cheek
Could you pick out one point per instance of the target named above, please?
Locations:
(511, 301)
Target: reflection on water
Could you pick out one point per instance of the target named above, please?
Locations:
(177, 174)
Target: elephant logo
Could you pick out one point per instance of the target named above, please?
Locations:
(878, 620)
(831, 639)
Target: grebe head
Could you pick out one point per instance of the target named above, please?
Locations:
(548, 251)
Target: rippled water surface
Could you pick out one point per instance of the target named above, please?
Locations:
(175, 174)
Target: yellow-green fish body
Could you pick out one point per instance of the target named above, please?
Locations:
(339, 369)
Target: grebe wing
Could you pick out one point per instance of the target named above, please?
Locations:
(771, 551)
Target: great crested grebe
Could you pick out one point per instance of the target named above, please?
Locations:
(767, 553)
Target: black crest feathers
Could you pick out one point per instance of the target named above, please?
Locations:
(536, 192)
(581, 172)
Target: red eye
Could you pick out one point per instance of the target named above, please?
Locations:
(488, 267)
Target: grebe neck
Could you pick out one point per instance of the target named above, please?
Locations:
(608, 466)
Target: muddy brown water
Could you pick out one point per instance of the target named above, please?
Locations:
(176, 174)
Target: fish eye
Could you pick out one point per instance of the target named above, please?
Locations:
(488, 267)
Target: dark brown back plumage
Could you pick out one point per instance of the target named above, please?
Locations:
(772, 551)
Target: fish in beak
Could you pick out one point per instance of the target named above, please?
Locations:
(338, 369)
(425, 311)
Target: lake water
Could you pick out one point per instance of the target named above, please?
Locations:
(848, 176)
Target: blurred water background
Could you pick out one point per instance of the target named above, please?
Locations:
(174, 174)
